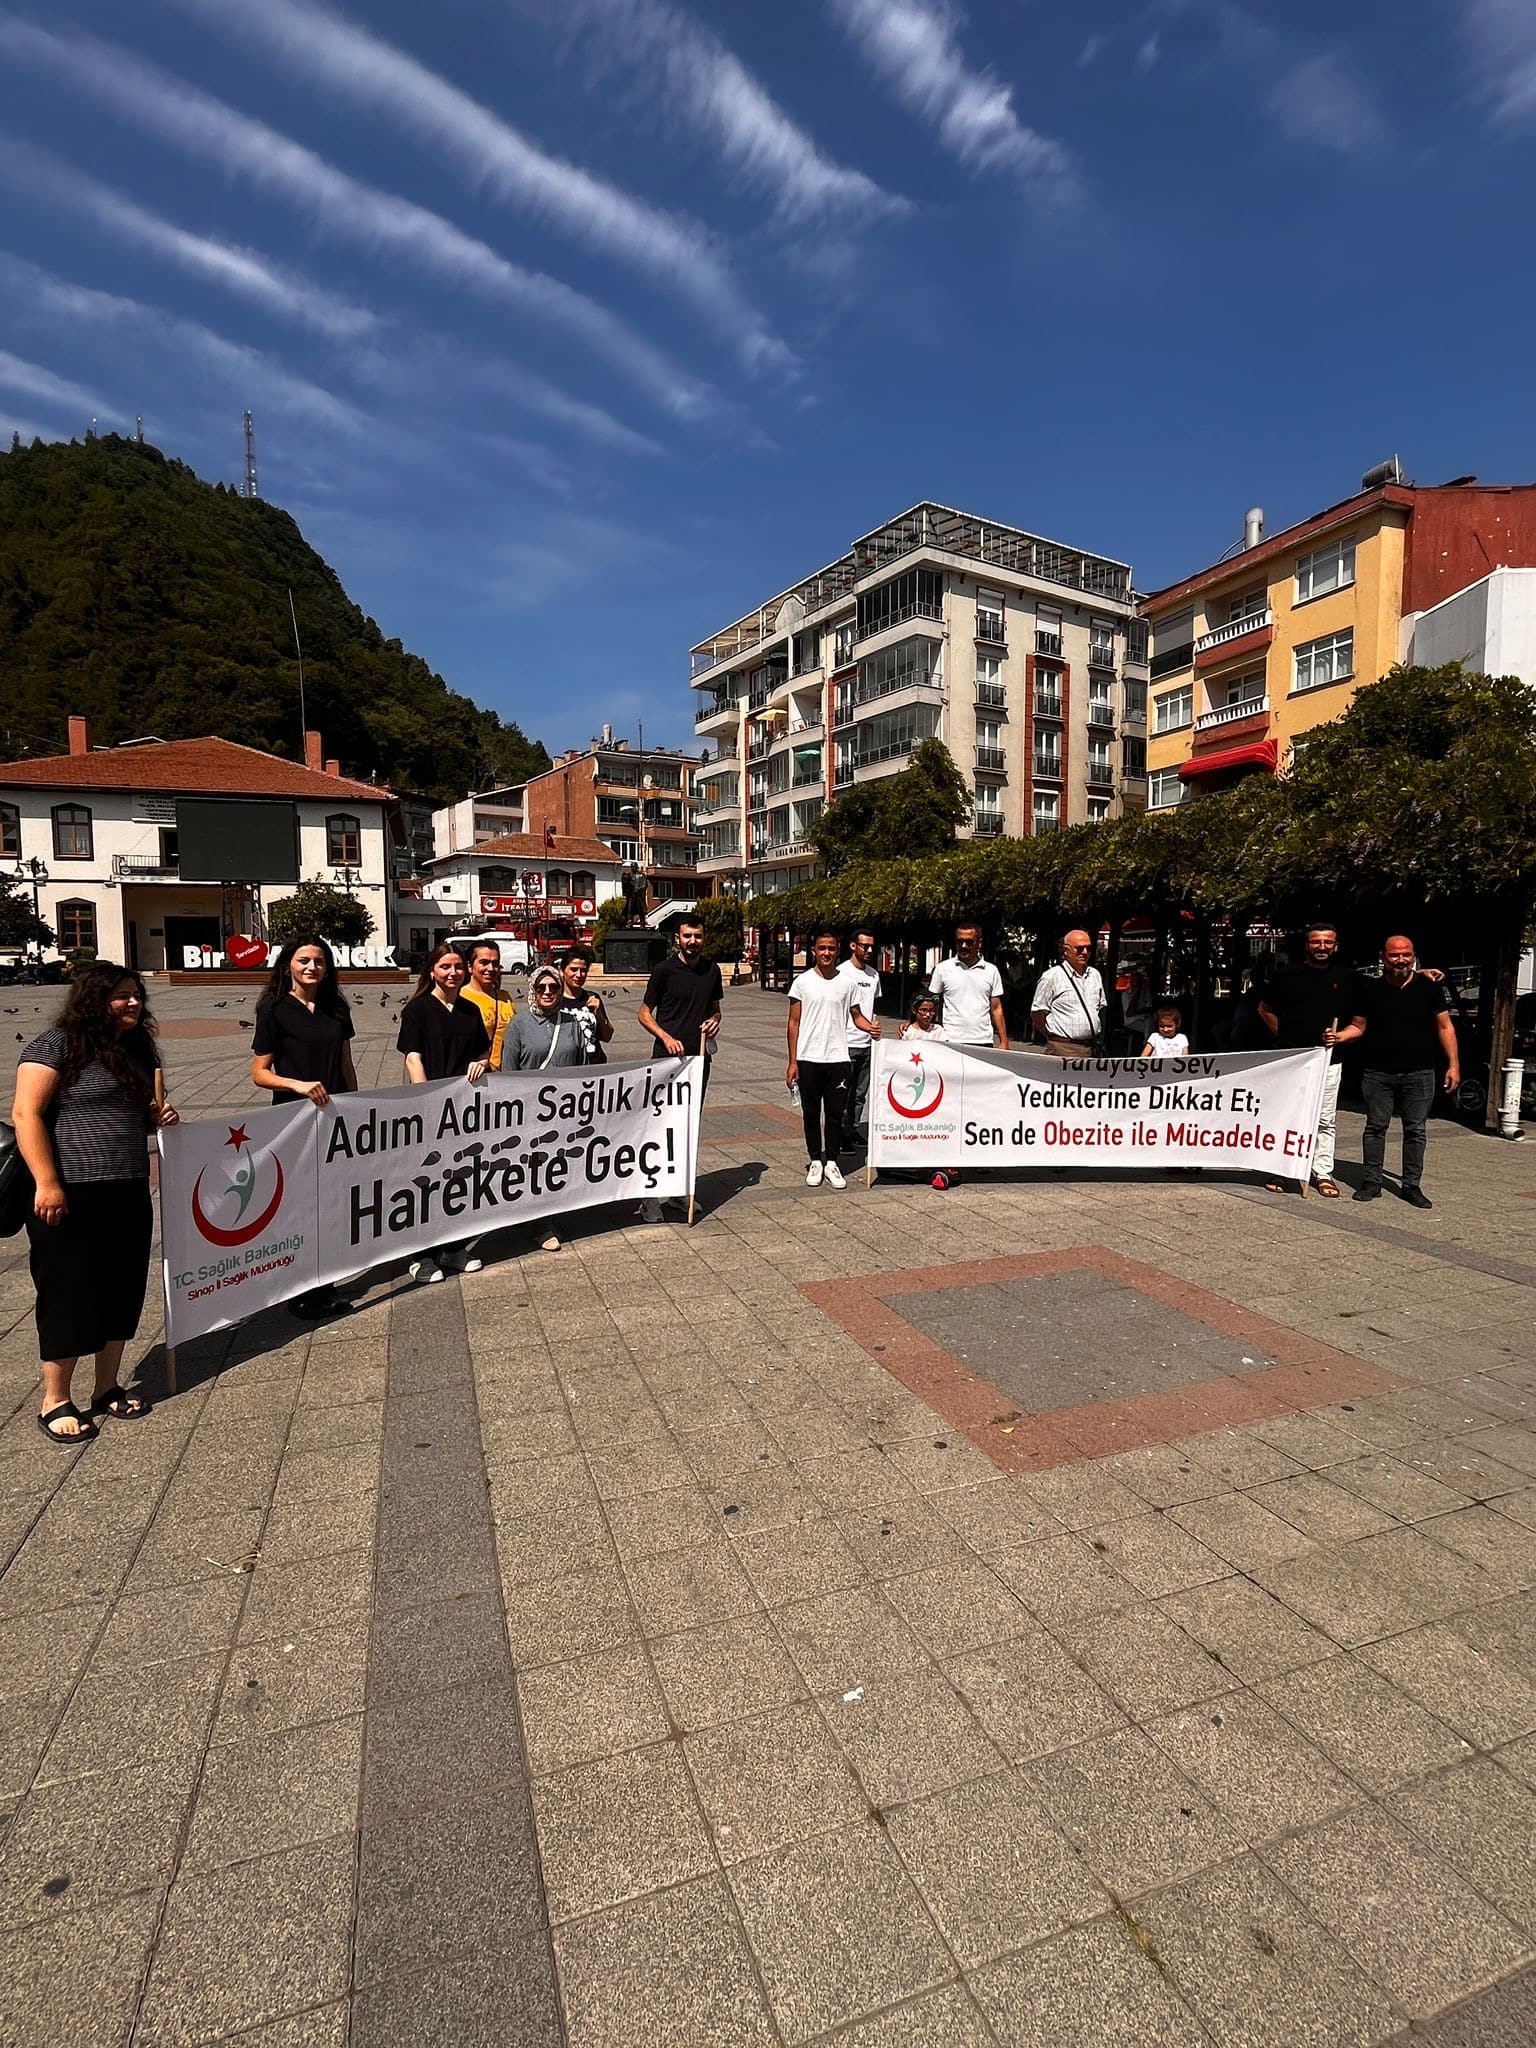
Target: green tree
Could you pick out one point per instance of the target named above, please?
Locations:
(610, 915)
(19, 924)
(721, 919)
(317, 910)
(915, 812)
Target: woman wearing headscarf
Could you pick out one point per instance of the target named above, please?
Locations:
(547, 1034)
(89, 1091)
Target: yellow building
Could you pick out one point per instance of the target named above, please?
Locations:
(1250, 654)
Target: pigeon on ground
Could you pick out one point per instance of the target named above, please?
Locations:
(246, 1025)
(222, 1006)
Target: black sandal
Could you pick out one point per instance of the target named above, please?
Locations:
(126, 1403)
(82, 1435)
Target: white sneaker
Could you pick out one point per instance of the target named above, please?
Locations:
(471, 1265)
(835, 1175)
(648, 1212)
(424, 1273)
(813, 1174)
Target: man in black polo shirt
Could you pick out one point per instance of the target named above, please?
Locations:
(1306, 1005)
(1405, 1023)
(681, 1011)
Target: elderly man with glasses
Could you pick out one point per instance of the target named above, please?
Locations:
(1070, 1002)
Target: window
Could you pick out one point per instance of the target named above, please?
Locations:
(1174, 709)
(1133, 758)
(1325, 569)
(169, 847)
(989, 616)
(1135, 700)
(10, 832)
(1099, 769)
(989, 671)
(1047, 810)
(1247, 689)
(71, 833)
(1048, 695)
(1098, 809)
(1251, 605)
(1136, 640)
(498, 881)
(1325, 661)
(989, 745)
(1048, 630)
(583, 883)
(842, 644)
(76, 925)
(1101, 644)
(1173, 644)
(1101, 701)
(897, 667)
(624, 849)
(344, 840)
(894, 734)
(557, 881)
(1048, 753)
(915, 594)
(1164, 787)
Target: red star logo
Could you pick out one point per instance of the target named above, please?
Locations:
(237, 1136)
(917, 1059)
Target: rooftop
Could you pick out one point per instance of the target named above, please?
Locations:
(532, 846)
(925, 525)
(207, 767)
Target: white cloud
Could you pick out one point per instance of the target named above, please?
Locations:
(53, 301)
(241, 271)
(33, 381)
(1091, 49)
(345, 208)
(1149, 52)
(693, 77)
(1315, 102)
(1501, 41)
(914, 45)
(339, 57)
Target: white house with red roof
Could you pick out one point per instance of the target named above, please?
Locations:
(160, 853)
(542, 886)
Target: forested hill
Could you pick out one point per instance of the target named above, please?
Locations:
(155, 603)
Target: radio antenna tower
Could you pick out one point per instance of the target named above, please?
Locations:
(251, 489)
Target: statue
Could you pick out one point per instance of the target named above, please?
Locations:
(636, 894)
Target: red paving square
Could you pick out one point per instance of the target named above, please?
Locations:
(1308, 1373)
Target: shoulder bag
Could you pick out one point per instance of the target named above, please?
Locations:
(17, 1187)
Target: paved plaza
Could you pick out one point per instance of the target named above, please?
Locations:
(1055, 1613)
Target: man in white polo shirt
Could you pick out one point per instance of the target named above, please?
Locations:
(823, 1005)
(971, 991)
(860, 969)
(1069, 1004)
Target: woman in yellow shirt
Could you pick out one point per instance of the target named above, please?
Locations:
(483, 989)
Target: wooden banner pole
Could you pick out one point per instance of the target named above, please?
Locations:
(699, 1114)
(170, 1349)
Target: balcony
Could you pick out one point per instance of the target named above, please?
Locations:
(1101, 711)
(1101, 654)
(842, 775)
(1232, 714)
(134, 867)
(1235, 641)
(991, 697)
(989, 824)
(991, 761)
(1048, 644)
(1047, 704)
(991, 630)
(1171, 660)
(807, 779)
(899, 615)
(1101, 772)
(1044, 823)
(1048, 767)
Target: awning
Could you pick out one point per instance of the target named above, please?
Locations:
(1259, 754)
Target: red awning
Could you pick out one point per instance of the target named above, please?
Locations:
(1260, 754)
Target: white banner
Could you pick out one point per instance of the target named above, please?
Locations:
(934, 1105)
(259, 1209)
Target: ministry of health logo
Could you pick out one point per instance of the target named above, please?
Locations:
(923, 1089)
(237, 1198)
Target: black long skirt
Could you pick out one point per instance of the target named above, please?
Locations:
(90, 1270)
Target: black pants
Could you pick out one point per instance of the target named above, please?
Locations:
(1408, 1096)
(823, 1092)
(90, 1269)
(858, 1091)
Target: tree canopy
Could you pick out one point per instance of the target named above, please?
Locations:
(154, 603)
(914, 812)
(318, 910)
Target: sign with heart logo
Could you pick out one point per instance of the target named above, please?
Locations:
(243, 952)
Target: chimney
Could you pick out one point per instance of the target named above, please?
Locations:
(314, 751)
(607, 735)
(79, 735)
(1253, 526)
(333, 768)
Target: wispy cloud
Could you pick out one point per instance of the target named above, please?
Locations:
(345, 208)
(38, 295)
(1309, 95)
(1500, 36)
(1091, 49)
(914, 45)
(690, 76)
(325, 50)
(241, 271)
(31, 380)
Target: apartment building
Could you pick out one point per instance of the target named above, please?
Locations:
(1023, 655)
(1274, 638)
(489, 814)
(638, 801)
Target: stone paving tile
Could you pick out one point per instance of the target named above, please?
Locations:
(1135, 1819)
(272, 1685)
(1084, 1496)
(1505, 1550)
(1144, 1660)
(1482, 1822)
(1504, 2016)
(907, 1734)
(1064, 1579)
(770, 1781)
(837, 1929)
(276, 1792)
(1090, 1988)
(844, 1638)
(75, 1977)
(1240, 1530)
(1396, 1488)
(614, 1829)
(591, 1707)
(684, 1588)
(953, 1608)
(455, 1881)
(995, 1872)
(943, 2018)
(900, 1537)
(724, 1672)
(1030, 1696)
(1472, 1691)
(1409, 1922)
(1256, 1969)
(293, 1909)
(550, 1621)
(1245, 1629)
(132, 1714)
(84, 1839)
(1252, 1765)
(1369, 1728)
(658, 1971)
(787, 1565)
(1320, 1510)
(1156, 1555)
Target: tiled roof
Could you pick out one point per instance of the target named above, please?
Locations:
(188, 768)
(530, 846)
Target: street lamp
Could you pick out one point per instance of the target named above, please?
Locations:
(530, 891)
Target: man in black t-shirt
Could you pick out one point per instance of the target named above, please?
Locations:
(1405, 1023)
(1306, 1005)
(681, 1011)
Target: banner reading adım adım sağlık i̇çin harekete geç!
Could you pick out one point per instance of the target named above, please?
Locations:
(932, 1104)
(257, 1209)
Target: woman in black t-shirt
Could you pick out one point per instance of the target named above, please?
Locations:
(443, 1036)
(302, 1045)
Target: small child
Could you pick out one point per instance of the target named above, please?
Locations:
(923, 1021)
(1167, 1041)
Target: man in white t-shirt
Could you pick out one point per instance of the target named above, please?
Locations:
(823, 1007)
(859, 968)
(1070, 1002)
(971, 990)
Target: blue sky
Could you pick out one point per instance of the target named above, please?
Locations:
(574, 328)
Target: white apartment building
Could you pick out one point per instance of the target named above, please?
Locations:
(460, 827)
(1022, 655)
